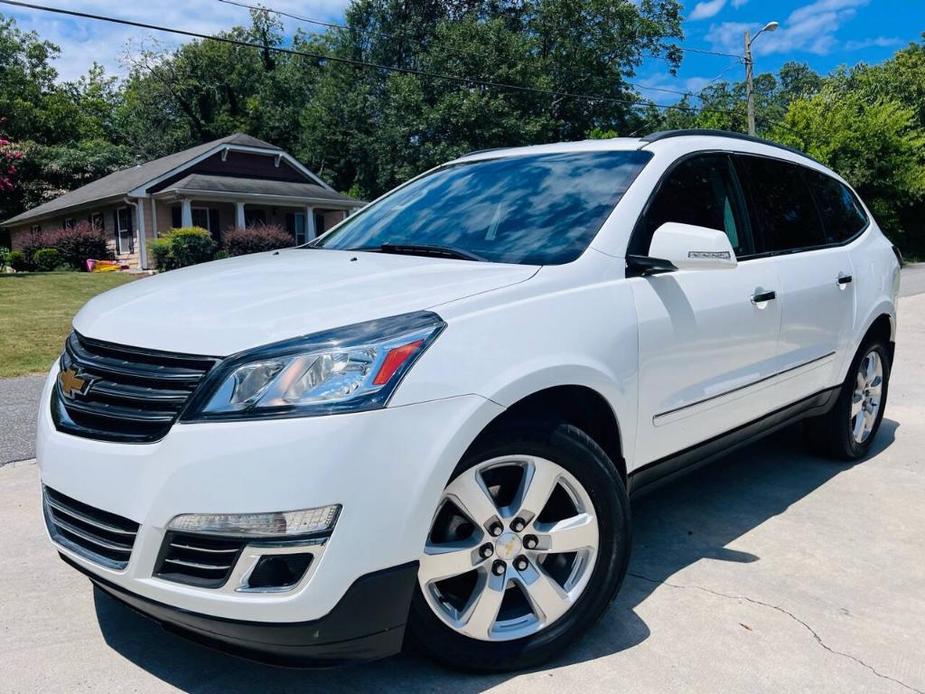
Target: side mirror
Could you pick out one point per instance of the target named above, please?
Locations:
(677, 246)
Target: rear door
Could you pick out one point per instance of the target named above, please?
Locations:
(705, 345)
(816, 294)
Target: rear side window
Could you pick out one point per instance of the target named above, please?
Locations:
(842, 214)
(701, 190)
(783, 213)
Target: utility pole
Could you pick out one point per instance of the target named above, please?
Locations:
(749, 85)
(749, 74)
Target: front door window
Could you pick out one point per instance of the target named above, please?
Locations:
(201, 218)
(125, 237)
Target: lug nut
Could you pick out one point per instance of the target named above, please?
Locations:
(495, 529)
(521, 563)
(518, 524)
(486, 550)
(498, 568)
(530, 542)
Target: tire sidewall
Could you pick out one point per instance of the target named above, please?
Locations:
(569, 448)
(852, 449)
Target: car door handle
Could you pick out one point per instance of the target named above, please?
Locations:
(843, 279)
(760, 296)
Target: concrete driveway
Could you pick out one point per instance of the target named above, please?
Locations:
(772, 571)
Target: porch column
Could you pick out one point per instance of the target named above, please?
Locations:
(310, 231)
(239, 220)
(186, 212)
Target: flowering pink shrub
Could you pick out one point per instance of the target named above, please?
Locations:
(10, 154)
(256, 239)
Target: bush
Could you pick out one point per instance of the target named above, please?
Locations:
(47, 259)
(19, 262)
(182, 247)
(4, 257)
(75, 245)
(257, 239)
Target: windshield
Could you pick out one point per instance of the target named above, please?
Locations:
(537, 210)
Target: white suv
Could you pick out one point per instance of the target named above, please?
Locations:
(435, 414)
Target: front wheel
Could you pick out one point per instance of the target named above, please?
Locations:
(528, 546)
(847, 431)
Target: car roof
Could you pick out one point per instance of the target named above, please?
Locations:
(672, 142)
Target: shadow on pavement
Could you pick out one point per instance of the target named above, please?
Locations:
(674, 527)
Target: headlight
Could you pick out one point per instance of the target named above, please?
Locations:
(344, 370)
(282, 524)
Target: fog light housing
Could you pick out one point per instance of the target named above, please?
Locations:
(276, 525)
(278, 571)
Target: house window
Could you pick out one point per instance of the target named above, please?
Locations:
(96, 220)
(69, 222)
(35, 228)
(125, 239)
(253, 217)
(298, 228)
(201, 218)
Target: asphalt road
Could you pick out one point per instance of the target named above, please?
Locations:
(772, 571)
(19, 396)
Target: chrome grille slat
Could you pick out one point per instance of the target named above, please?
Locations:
(127, 394)
(203, 549)
(73, 530)
(196, 565)
(96, 535)
(205, 561)
(89, 521)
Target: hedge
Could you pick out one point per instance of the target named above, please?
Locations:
(182, 247)
(256, 239)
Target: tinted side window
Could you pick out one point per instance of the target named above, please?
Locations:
(842, 214)
(702, 191)
(783, 212)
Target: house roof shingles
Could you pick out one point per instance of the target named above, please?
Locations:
(125, 180)
(254, 186)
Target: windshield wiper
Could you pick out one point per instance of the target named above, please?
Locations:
(429, 250)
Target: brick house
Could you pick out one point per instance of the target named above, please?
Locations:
(235, 181)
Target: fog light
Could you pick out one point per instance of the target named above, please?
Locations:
(282, 524)
(279, 570)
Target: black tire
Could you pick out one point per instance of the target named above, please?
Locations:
(575, 451)
(830, 435)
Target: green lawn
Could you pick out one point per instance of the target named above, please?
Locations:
(36, 311)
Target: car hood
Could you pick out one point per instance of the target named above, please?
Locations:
(225, 306)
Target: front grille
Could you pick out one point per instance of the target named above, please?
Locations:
(198, 560)
(118, 393)
(100, 536)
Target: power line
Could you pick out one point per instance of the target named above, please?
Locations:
(348, 61)
(335, 25)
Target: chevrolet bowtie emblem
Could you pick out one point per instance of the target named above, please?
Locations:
(72, 383)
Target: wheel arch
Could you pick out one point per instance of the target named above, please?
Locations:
(579, 405)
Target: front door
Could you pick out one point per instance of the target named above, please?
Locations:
(706, 346)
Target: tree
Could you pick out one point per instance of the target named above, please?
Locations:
(369, 130)
(878, 146)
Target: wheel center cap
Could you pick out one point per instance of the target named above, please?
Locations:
(507, 546)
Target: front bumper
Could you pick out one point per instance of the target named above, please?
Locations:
(376, 606)
(387, 469)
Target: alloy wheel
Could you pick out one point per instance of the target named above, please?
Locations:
(866, 398)
(512, 547)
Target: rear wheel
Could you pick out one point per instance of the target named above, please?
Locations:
(847, 431)
(529, 544)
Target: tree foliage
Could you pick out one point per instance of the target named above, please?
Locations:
(365, 129)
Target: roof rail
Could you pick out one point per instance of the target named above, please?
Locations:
(666, 134)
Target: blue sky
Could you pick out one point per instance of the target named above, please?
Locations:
(823, 33)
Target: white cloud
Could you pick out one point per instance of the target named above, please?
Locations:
(810, 28)
(878, 41)
(84, 41)
(706, 9)
(738, 3)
